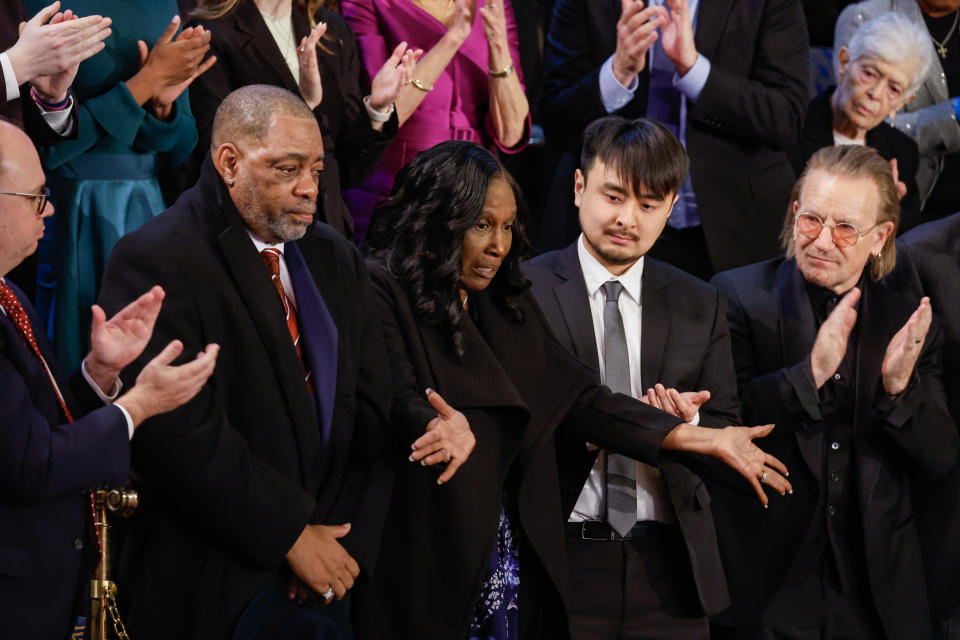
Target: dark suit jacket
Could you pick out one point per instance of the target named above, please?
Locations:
(47, 468)
(230, 479)
(899, 445)
(517, 386)
(928, 264)
(888, 141)
(685, 344)
(247, 54)
(750, 111)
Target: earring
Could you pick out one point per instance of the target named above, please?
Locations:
(230, 182)
(878, 255)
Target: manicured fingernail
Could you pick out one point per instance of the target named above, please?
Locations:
(423, 463)
(410, 458)
(766, 506)
(790, 492)
(439, 481)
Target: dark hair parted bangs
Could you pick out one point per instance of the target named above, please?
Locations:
(418, 231)
(646, 156)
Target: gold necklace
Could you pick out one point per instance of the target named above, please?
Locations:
(942, 46)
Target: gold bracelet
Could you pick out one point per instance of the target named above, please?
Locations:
(420, 85)
(506, 73)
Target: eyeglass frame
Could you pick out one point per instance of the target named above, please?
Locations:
(832, 227)
(43, 197)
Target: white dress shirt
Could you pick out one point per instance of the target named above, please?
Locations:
(652, 500)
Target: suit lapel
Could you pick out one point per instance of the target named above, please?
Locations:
(263, 49)
(572, 297)
(654, 323)
(260, 297)
(797, 334)
(711, 19)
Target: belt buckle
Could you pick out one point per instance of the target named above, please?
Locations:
(585, 536)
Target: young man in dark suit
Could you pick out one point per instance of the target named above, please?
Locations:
(60, 438)
(850, 371)
(660, 572)
(271, 484)
(728, 77)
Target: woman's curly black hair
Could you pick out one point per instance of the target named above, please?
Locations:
(418, 232)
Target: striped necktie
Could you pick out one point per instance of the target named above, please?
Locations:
(271, 258)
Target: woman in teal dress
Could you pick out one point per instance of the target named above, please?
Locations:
(133, 117)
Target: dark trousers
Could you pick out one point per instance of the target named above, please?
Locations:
(686, 249)
(633, 589)
(817, 609)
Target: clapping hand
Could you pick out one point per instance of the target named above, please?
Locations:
(51, 46)
(311, 88)
(172, 64)
(677, 36)
(904, 349)
(395, 72)
(448, 439)
(464, 12)
(683, 405)
(830, 345)
(636, 33)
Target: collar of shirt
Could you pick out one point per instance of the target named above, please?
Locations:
(595, 274)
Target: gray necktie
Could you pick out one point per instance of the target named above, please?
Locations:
(621, 470)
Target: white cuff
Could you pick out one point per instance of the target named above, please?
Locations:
(377, 116)
(126, 416)
(106, 398)
(9, 77)
(614, 95)
(59, 121)
(696, 420)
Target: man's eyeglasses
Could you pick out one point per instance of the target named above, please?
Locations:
(844, 234)
(41, 198)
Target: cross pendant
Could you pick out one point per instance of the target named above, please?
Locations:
(942, 50)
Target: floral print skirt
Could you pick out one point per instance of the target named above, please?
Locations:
(495, 615)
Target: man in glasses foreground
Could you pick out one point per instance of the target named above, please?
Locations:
(849, 370)
(60, 438)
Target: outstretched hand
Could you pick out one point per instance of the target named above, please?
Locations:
(448, 439)
(311, 87)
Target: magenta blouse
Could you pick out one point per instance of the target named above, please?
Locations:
(456, 109)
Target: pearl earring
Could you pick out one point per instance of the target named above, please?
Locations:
(230, 181)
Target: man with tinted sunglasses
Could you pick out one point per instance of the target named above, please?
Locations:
(849, 370)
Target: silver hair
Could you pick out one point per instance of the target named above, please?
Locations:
(246, 113)
(894, 38)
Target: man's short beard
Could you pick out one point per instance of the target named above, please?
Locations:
(282, 228)
(610, 258)
(279, 229)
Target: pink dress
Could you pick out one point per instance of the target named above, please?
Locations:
(456, 109)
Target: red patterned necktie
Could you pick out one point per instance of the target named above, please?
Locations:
(271, 258)
(14, 310)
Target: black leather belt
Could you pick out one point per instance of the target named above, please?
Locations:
(600, 530)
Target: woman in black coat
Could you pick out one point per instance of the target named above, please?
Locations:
(459, 321)
(309, 50)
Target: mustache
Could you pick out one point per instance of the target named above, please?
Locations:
(614, 231)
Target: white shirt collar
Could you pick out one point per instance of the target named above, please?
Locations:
(261, 245)
(595, 274)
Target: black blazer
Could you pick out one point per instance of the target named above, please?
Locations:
(685, 344)
(750, 111)
(517, 386)
(928, 264)
(230, 479)
(247, 54)
(889, 142)
(899, 445)
(47, 469)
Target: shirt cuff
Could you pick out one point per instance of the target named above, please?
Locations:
(691, 84)
(106, 398)
(126, 416)
(613, 94)
(59, 121)
(10, 78)
(696, 420)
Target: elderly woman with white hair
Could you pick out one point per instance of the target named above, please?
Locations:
(877, 75)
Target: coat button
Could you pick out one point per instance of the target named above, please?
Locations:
(835, 477)
(834, 445)
(78, 544)
(836, 376)
(831, 510)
